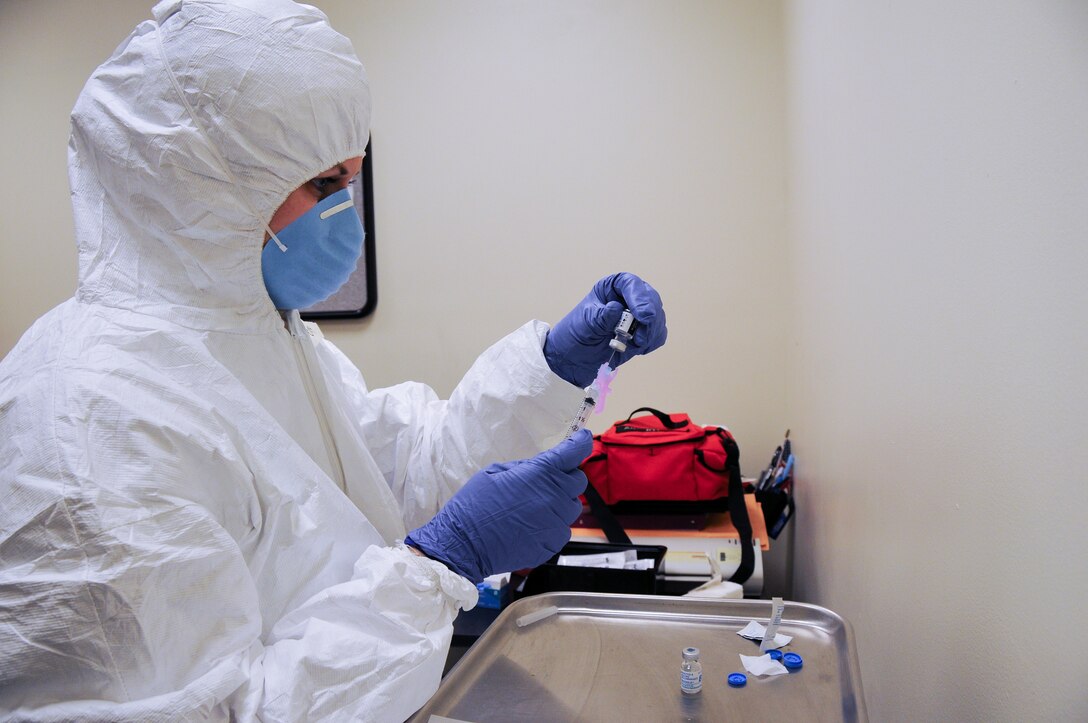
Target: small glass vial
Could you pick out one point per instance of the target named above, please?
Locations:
(691, 672)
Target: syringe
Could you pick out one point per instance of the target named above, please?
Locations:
(579, 421)
(623, 332)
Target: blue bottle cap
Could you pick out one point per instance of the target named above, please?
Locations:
(775, 655)
(792, 661)
(737, 680)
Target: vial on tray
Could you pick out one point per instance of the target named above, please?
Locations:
(691, 672)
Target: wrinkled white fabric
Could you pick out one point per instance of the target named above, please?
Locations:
(201, 503)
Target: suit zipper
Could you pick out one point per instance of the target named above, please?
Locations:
(315, 402)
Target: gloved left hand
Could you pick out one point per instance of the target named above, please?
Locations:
(578, 345)
(509, 516)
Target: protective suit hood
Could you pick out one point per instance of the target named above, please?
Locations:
(190, 136)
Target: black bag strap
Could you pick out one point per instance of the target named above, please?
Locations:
(664, 418)
(613, 530)
(738, 510)
(701, 456)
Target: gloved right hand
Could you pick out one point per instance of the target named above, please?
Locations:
(511, 515)
(576, 347)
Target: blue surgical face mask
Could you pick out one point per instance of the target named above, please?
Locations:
(323, 247)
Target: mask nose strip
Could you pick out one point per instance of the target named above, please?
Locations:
(336, 209)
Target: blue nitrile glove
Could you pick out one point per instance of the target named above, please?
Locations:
(511, 515)
(578, 345)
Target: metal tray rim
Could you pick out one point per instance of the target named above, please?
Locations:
(636, 607)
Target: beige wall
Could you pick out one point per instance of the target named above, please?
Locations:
(47, 50)
(521, 151)
(939, 176)
(930, 360)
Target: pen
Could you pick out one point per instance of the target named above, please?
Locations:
(784, 473)
(767, 475)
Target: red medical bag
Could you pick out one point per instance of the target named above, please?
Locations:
(662, 457)
(659, 461)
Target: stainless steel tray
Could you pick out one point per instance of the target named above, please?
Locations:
(617, 658)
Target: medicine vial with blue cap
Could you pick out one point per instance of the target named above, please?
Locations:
(599, 388)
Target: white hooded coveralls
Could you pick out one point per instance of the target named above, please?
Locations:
(201, 506)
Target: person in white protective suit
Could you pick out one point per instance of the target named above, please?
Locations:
(206, 513)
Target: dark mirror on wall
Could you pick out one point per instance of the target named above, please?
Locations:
(359, 295)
